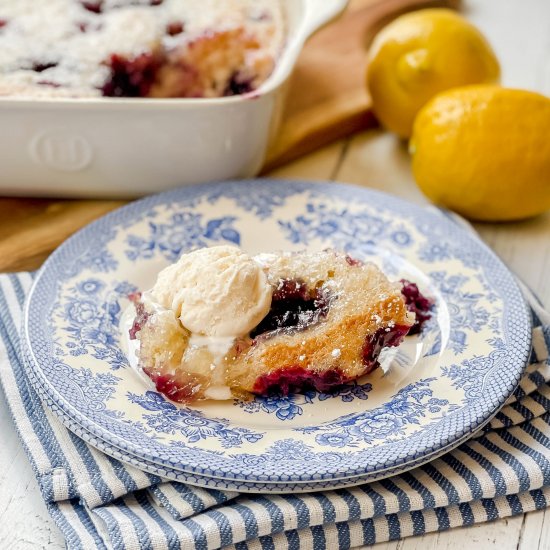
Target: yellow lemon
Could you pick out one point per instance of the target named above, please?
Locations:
(419, 55)
(484, 152)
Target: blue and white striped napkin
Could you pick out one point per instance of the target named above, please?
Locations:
(98, 502)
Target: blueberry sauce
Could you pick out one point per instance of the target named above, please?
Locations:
(417, 303)
(382, 338)
(141, 315)
(238, 85)
(174, 28)
(96, 6)
(352, 261)
(172, 387)
(293, 306)
(93, 6)
(39, 67)
(131, 77)
(295, 379)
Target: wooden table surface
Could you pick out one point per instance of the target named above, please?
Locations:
(520, 33)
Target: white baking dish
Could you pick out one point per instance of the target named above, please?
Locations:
(126, 147)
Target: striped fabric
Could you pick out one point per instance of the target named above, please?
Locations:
(98, 502)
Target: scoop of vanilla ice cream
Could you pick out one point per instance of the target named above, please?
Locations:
(217, 291)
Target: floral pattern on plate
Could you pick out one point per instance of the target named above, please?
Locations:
(429, 394)
(289, 406)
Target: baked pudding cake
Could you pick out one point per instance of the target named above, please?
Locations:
(138, 48)
(219, 323)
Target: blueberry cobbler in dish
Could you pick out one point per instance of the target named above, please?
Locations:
(219, 323)
(137, 48)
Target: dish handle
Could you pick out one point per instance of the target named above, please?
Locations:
(320, 12)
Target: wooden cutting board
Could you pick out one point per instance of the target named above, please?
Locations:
(327, 101)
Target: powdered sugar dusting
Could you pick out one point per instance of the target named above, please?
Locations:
(71, 40)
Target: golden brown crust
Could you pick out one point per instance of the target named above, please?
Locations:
(363, 302)
(203, 67)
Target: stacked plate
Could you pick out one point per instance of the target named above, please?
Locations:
(430, 394)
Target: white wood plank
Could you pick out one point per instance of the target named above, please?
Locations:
(394, 545)
(525, 247)
(535, 534)
(531, 536)
(24, 520)
(519, 31)
(379, 160)
(320, 165)
(501, 534)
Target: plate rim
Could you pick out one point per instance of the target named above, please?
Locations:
(244, 486)
(337, 189)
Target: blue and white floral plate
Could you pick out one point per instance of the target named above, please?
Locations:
(430, 394)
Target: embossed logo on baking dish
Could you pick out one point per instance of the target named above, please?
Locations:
(61, 150)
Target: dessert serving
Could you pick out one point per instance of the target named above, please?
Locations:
(137, 48)
(219, 323)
